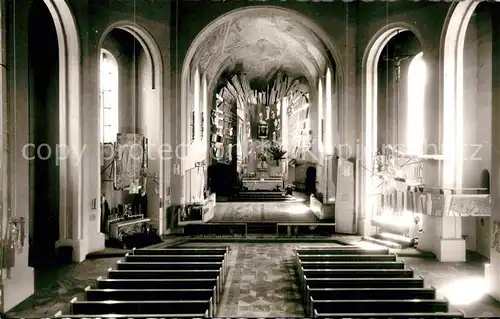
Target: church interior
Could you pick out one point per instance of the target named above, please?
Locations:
(182, 159)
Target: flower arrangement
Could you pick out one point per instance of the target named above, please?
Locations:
(277, 153)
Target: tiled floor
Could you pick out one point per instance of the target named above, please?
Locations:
(260, 283)
(287, 211)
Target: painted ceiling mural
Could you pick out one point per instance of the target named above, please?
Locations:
(262, 43)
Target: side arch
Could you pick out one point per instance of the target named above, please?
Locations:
(369, 112)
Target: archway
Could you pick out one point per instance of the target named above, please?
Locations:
(213, 62)
(68, 174)
(369, 138)
(145, 111)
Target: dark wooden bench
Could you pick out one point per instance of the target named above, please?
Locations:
(435, 315)
(140, 284)
(364, 282)
(168, 274)
(335, 274)
(116, 316)
(124, 265)
(356, 273)
(153, 308)
(341, 250)
(175, 258)
(367, 294)
(163, 274)
(151, 294)
(378, 306)
(181, 251)
(350, 257)
(142, 265)
(180, 258)
(399, 264)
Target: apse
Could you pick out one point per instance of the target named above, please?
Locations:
(261, 95)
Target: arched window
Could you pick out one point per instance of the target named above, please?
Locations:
(417, 78)
(328, 113)
(320, 115)
(109, 97)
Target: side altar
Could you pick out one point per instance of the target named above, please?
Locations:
(403, 204)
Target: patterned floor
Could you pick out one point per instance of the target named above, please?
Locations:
(296, 211)
(260, 283)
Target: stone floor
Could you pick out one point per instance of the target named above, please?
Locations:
(261, 283)
(296, 211)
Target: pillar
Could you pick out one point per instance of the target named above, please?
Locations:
(441, 235)
(492, 271)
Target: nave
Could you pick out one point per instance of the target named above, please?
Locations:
(264, 280)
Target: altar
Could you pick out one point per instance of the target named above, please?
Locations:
(263, 184)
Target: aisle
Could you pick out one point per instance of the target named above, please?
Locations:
(261, 283)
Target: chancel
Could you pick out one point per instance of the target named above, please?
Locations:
(323, 159)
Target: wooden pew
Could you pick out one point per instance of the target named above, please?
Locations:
(140, 284)
(355, 273)
(425, 315)
(399, 264)
(349, 257)
(181, 251)
(377, 306)
(168, 274)
(180, 258)
(351, 273)
(364, 282)
(341, 250)
(367, 294)
(185, 251)
(197, 308)
(175, 258)
(124, 265)
(163, 274)
(151, 294)
(116, 316)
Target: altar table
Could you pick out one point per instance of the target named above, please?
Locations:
(262, 184)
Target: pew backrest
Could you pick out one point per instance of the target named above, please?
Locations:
(180, 251)
(424, 315)
(155, 265)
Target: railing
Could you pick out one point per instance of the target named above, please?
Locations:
(289, 225)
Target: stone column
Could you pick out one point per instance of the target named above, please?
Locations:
(492, 271)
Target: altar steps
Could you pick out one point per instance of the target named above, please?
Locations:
(391, 240)
(262, 196)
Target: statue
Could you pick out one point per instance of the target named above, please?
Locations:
(268, 111)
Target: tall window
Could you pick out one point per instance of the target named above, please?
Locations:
(417, 78)
(328, 113)
(109, 97)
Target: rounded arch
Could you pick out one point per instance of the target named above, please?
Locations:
(259, 10)
(452, 80)
(369, 108)
(70, 127)
(262, 9)
(154, 57)
(147, 42)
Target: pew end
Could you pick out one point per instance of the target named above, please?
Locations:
(71, 304)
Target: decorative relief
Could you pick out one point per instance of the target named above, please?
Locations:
(496, 236)
(254, 37)
(470, 205)
(437, 204)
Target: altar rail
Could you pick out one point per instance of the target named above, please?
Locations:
(437, 202)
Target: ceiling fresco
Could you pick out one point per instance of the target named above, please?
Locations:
(261, 44)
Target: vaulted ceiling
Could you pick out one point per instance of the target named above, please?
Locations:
(261, 43)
